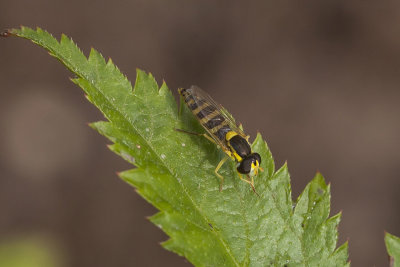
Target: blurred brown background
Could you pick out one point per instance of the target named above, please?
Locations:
(319, 79)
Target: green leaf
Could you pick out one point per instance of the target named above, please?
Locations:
(393, 247)
(175, 172)
(28, 251)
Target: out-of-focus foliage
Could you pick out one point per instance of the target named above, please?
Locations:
(28, 252)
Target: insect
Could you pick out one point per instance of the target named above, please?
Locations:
(223, 131)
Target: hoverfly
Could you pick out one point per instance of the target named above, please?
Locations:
(224, 132)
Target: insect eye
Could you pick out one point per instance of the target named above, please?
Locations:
(245, 166)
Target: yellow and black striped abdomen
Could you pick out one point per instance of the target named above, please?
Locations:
(208, 115)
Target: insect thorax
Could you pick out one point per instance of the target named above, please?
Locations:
(239, 146)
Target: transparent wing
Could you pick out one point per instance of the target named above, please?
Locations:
(199, 95)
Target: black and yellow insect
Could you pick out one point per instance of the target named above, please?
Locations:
(223, 131)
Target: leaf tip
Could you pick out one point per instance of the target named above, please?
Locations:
(92, 52)
(260, 143)
(139, 72)
(164, 86)
(149, 219)
(385, 234)
(320, 180)
(340, 213)
(6, 33)
(64, 37)
(390, 236)
(91, 125)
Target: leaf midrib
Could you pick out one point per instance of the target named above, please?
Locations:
(171, 173)
(75, 70)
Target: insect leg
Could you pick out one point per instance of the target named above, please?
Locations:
(181, 104)
(220, 163)
(251, 183)
(184, 131)
(209, 138)
(199, 134)
(219, 175)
